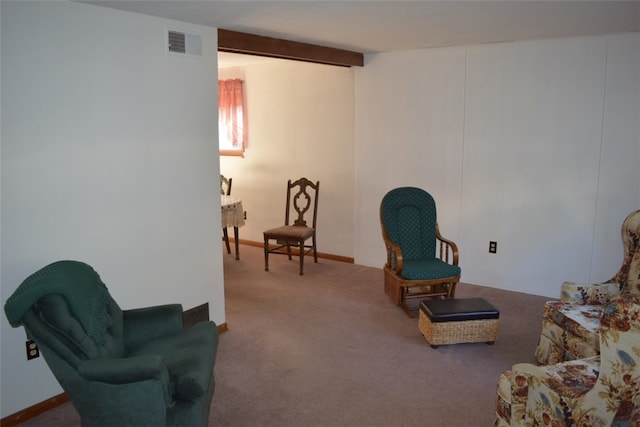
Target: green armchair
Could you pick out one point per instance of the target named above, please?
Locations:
(118, 367)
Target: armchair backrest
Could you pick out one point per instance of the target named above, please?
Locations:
(617, 391)
(629, 274)
(408, 217)
(66, 307)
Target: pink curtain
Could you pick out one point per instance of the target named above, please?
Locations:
(231, 118)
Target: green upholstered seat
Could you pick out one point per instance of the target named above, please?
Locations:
(119, 367)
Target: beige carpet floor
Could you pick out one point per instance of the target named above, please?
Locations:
(328, 349)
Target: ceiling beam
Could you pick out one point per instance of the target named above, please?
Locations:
(251, 44)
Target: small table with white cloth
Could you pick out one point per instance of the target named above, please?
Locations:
(232, 216)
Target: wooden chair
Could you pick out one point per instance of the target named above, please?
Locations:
(225, 188)
(420, 262)
(302, 201)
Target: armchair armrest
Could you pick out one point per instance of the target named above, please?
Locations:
(143, 324)
(588, 293)
(135, 377)
(519, 381)
(124, 370)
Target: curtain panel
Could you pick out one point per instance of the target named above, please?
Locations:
(231, 115)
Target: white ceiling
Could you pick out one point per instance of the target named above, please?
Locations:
(379, 26)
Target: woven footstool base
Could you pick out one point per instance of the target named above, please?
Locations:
(458, 331)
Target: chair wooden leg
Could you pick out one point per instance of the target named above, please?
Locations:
(452, 290)
(301, 257)
(315, 250)
(266, 254)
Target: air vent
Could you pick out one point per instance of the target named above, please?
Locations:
(178, 42)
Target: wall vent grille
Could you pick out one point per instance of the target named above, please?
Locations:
(177, 42)
(195, 315)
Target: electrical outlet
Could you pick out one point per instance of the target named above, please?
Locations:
(493, 247)
(32, 350)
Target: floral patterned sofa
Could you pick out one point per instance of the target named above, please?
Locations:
(570, 326)
(596, 391)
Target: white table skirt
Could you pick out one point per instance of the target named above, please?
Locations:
(232, 211)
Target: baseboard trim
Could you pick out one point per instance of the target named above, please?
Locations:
(295, 252)
(46, 405)
(33, 411)
(223, 328)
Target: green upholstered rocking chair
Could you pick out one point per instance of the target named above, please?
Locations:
(118, 367)
(420, 262)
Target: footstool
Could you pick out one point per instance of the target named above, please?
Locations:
(458, 320)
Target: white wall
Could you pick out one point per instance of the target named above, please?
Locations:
(301, 123)
(109, 156)
(533, 144)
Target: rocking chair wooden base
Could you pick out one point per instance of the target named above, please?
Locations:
(400, 290)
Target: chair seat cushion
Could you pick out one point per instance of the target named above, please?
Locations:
(289, 232)
(569, 332)
(427, 269)
(573, 378)
(189, 357)
(582, 321)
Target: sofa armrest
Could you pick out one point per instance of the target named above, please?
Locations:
(143, 324)
(588, 293)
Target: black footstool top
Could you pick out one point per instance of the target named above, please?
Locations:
(458, 309)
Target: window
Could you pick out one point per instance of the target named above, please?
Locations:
(232, 117)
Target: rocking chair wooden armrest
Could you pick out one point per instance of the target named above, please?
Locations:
(394, 255)
(445, 247)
